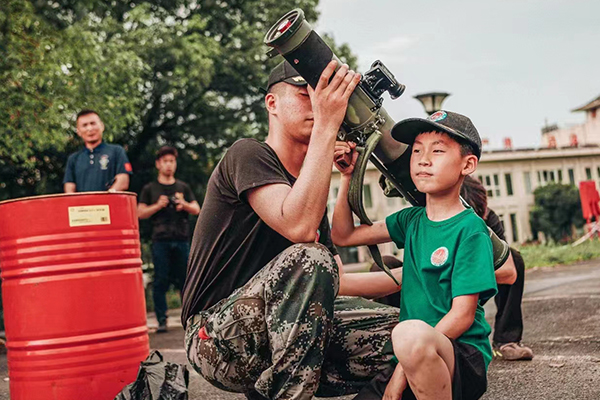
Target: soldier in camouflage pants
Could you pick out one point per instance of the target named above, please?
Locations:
(285, 335)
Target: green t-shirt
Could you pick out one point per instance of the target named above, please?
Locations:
(443, 260)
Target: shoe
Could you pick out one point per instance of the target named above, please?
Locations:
(162, 328)
(512, 351)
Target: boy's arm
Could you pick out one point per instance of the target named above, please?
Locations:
(460, 317)
(343, 231)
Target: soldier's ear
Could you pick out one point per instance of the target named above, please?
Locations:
(271, 102)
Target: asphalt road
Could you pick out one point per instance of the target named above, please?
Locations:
(561, 311)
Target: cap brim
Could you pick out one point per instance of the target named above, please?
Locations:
(407, 130)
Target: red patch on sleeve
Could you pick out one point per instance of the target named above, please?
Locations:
(128, 167)
(202, 334)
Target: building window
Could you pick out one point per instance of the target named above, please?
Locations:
(527, 180)
(588, 173)
(509, 188)
(367, 196)
(492, 184)
(571, 176)
(513, 224)
(496, 185)
(547, 176)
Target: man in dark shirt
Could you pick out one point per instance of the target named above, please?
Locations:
(98, 166)
(262, 303)
(167, 202)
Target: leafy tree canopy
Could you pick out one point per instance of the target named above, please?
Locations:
(556, 210)
(187, 73)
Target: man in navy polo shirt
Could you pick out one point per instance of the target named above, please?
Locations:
(98, 166)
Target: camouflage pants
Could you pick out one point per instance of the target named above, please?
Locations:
(286, 336)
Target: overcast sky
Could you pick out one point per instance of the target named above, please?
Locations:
(509, 65)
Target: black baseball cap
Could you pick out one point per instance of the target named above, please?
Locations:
(453, 124)
(284, 72)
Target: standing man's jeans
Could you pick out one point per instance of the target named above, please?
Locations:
(170, 265)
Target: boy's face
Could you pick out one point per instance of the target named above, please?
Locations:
(436, 163)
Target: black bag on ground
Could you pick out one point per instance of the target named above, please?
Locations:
(158, 380)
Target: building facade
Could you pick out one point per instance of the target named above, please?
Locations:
(510, 177)
(584, 134)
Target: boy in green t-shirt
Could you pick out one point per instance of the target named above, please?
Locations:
(441, 342)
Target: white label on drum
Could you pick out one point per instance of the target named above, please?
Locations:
(89, 215)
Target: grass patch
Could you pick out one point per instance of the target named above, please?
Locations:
(549, 255)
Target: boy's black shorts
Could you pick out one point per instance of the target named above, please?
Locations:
(469, 381)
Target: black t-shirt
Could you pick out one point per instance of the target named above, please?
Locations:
(231, 243)
(168, 223)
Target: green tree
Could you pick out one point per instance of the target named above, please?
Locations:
(47, 75)
(165, 71)
(556, 210)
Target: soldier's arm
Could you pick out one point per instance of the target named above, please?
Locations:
(296, 212)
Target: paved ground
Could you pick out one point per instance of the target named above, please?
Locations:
(562, 324)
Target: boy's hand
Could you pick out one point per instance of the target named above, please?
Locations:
(397, 385)
(345, 157)
(330, 98)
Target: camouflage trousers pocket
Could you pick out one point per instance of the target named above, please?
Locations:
(237, 349)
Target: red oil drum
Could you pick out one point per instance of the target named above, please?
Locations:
(74, 305)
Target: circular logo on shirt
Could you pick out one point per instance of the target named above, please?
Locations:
(439, 257)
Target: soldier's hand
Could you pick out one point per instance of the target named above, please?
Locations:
(345, 157)
(163, 201)
(330, 99)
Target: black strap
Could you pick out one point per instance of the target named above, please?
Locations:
(355, 194)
